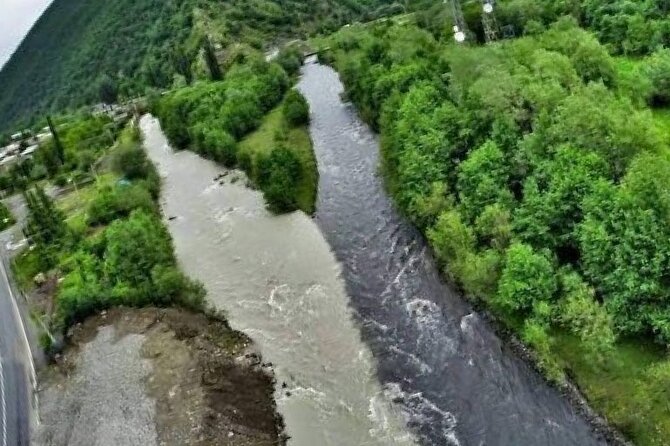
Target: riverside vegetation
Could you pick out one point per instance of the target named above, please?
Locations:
(540, 177)
(111, 248)
(213, 117)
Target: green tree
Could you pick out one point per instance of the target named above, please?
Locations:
(58, 146)
(134, 247)
(657, 70)
(108, 90)
(296, 109)
(581, 313)
(482, 180)
(528, 280)
(278, 176)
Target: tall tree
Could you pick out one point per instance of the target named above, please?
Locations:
(60, 152)
(182, 65)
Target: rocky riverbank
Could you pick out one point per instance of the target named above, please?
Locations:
(157, 377)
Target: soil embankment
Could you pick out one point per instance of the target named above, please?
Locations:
(157, 377)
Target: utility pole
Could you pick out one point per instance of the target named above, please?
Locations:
(489, 21)
(460, 30)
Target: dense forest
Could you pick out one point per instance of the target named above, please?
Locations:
(540, 175)
(86, 51)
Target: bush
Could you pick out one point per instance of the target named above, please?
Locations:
(290, 59)
(278, 176)
(296, 109)
(131, 161)
(657, 70)
(113, 203)
(216, 144)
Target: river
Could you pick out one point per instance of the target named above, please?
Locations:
(369, 346)
(455, 381)
(277, 280)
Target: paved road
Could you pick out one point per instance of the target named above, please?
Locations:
(14, 381)
(15, 407)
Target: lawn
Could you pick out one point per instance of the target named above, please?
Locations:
(273, 132)
(631, 386)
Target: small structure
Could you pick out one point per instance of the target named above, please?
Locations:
(29, 151)
(8, 160)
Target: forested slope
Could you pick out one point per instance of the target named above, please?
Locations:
(538, 169)
(80, 47)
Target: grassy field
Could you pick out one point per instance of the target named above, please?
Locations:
(273, 132)
(631, 387)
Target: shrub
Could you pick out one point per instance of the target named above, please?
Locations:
(278, 176)
(131, 161)
(112, 203)
(527, 280)
(290, 59)
(296, 109)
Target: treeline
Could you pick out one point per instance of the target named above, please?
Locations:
(86, 51)
(211, 118)
(118, 254)
(541, 189)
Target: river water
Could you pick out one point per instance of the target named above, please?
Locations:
(278, 281)
(373, 348)
(455, 382)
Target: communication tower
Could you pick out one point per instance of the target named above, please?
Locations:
(489, 21)
(460, 30)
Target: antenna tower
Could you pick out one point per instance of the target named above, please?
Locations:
(460, 30)
(489, 21)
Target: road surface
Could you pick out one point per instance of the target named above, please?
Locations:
(15, 366)
(14, 381)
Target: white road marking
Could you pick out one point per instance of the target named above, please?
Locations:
(3, 401)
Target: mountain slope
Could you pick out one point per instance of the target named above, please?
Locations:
(79, 45)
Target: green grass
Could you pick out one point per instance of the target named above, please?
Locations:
(630, 387)
(25, 267)
(76, 202)
(265, 139)
(662, 118)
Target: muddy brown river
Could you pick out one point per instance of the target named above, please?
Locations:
(278, 281)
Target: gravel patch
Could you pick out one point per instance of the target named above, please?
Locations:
(103, 403)
(157, 377)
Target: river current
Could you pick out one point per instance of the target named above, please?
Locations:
(368, 344)
(455, 381)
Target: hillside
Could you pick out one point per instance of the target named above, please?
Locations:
(79, 47)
